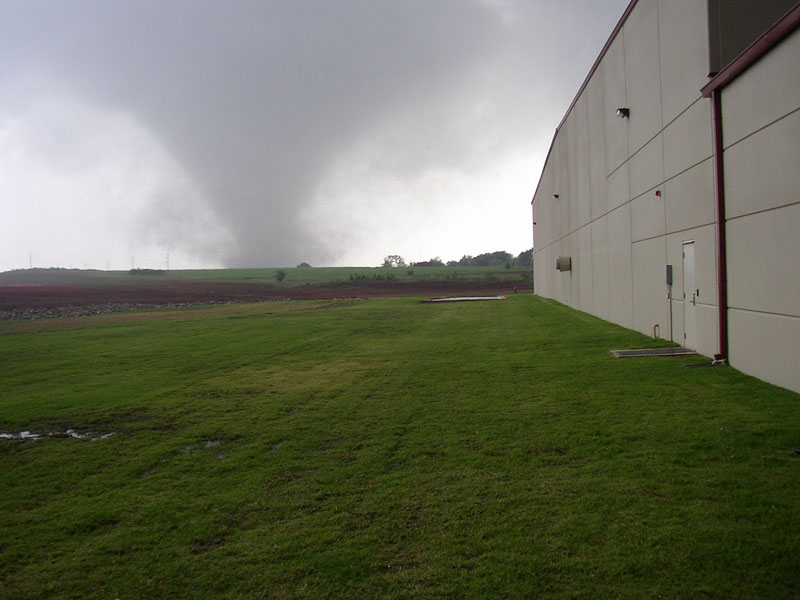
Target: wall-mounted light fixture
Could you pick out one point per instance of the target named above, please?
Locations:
(623, 113)
(555, 196)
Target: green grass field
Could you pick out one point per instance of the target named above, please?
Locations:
(294, 276)
(327, 275)
(387, 449)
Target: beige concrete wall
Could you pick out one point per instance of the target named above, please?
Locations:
(705, 241)
(681, 193)
(633, 191)
(688, 138)
(778, 367)
(620, 266)
(650, 306)
(595, 115)
(681, 54)
(601, 297)
(761, 110)
(610, 77)
(607, 171)
(642, 74)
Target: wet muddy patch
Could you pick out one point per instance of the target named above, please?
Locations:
(205, 446)
(31, 436)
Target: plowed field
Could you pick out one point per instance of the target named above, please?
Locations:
(31, 301)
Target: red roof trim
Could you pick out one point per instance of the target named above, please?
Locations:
(771, 38)
(602, 55)
(596, 64)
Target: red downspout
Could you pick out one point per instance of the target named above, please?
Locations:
(771, 38)
(722, 260)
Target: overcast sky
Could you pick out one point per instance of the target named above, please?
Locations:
(266, 133)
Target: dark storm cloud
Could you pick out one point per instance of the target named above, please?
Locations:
(257, 99)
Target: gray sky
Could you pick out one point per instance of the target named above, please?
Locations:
(234, 133)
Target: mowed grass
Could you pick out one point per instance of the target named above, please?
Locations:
(292, 276)
(333, 275)
(387, 449)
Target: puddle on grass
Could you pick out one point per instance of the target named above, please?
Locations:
(204, 445)
(29, 436)
(465, 299)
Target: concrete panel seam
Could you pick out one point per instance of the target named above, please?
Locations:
(666, 235)
(627, 160)
(661, 100)
(691, 228)
(606, 214)
(632, 291)
(689, 168)
(588, 224)
(760, 129)
(761, 212)
(660, 78)
(640, 148)
(763, 312)
(668, 179)
(683, 112)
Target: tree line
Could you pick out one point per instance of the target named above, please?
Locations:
(499, 258)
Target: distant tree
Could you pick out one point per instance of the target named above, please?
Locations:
(499, 258)
(394, 260)
(491, 259)
(433, 262)
(146, 271)
(304, 265)
(525, 259)
(280, 276)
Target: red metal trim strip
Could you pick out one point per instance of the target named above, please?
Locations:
(722, 252)
(782, 28)
(544, 166)
(602, 55)
(596, 64)
(713, 89)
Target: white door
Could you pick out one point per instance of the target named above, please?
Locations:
(689, 297)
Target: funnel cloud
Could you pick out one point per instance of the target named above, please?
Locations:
(269, 133)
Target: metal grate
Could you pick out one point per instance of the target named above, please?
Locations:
(679, 351)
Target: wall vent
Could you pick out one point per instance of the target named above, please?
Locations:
(564, 263)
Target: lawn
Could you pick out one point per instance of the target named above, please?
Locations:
(294, 276)
(328, 275)
(387, 449)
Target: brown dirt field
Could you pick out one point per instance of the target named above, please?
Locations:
(26, 301)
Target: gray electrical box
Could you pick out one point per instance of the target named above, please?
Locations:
(668, 274)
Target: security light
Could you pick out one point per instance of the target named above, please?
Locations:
(623, 113)
(555, 196)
